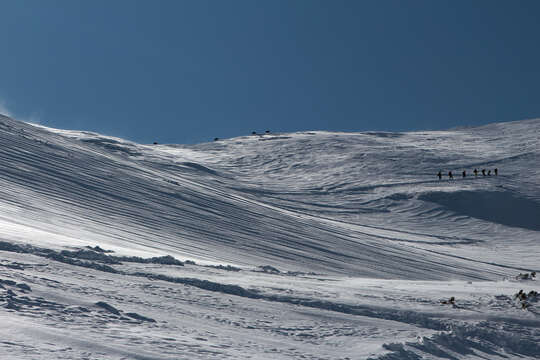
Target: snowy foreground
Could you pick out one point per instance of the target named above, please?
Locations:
(310, 245)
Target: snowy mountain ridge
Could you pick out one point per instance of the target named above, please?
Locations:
(301, 219)
(316, 193)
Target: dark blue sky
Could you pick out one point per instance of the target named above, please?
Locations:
(188, 71)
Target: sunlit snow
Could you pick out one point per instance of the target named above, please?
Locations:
(309, 245)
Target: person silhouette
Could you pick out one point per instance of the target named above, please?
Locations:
(439, 174)
(450, 175)
(464, 173)
(496, 171)
(475, 172)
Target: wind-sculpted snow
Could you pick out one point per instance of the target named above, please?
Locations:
(137, 202)
(496, 206)
(194, 313)
(306, 245)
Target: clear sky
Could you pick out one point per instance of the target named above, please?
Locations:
(188, 71)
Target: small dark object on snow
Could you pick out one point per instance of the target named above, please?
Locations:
(439, 174)
(475, 172)
(526, 276)
(464, 173)
(496, 171)
(522, 276)
(524, 297)
(155, 143)
(253, 133)
(267, 131)
(489, 172)
(216, 139)
(450, 175)
(484, 172)
(451, 301)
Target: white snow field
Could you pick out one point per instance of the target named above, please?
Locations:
(310, 245)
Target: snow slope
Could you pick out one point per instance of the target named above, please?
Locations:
(312, 244)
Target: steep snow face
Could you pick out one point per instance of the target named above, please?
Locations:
(366, 204)
(310, 245)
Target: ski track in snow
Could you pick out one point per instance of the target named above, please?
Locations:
(311, 245)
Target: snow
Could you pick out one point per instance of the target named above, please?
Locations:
(309, 245)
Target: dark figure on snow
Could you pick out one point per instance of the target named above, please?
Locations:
(496, 171)
(484, 172)
(475, 172)
(439, 174)
(489, 172)
(450, 175)
(464, 173)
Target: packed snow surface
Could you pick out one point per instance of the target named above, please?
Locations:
(309, 245)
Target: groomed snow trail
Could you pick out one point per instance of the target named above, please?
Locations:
(306, 245)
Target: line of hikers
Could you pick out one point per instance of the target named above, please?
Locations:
(464, 173)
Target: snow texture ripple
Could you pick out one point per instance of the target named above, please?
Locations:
(309, 245)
